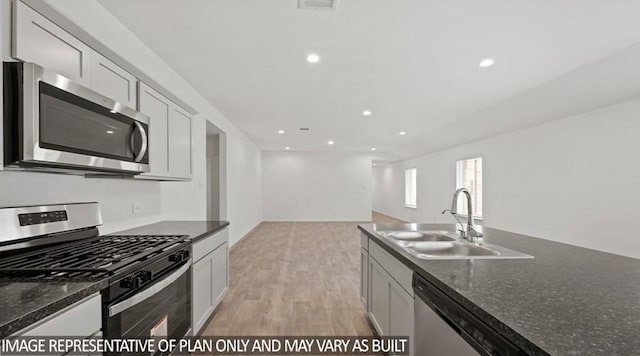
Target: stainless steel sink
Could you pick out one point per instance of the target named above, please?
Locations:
(418, 235)
(446, 245)
(450, 249)
(460, 249)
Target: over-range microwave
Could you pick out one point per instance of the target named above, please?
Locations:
(54, 124)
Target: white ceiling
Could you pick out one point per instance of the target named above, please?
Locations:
(414, 63)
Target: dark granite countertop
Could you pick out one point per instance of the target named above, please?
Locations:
(567, 300)
(24, 303)
(195, 229)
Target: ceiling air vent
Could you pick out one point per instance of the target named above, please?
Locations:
(317, 4)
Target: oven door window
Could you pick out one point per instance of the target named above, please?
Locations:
(167, 313)
(72, 124)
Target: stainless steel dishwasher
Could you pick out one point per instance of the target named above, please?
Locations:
(443, 327)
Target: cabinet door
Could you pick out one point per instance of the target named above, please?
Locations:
(210, 282)
(38, 40)
(364, 276)
(202, 292)
(158, 108)
(400, 313)
(112, 81)
(82, 319)
(220, 272)
(379, 297)
(180, 144)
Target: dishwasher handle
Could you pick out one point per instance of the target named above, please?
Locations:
(478, 334)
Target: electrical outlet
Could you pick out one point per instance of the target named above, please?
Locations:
(137, 208)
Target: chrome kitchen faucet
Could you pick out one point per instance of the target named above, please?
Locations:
(470, 233)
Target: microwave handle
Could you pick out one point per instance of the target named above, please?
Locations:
(143, 135)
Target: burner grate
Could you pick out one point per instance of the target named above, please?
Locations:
(103, 254)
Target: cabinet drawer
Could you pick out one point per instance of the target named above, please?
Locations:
(204, 246)
(364, 241)
(82, 319)
(401, 273)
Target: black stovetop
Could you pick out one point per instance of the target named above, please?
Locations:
(87, 258)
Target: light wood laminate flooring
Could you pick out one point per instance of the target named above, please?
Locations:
(295, 279)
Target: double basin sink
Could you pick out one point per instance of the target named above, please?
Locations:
(445, 245)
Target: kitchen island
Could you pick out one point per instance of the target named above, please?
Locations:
(567, 300)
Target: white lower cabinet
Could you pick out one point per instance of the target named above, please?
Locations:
(390, 305)
(400, 311)
(210, 277)
(364, 277)
(82, 319)
(379, 297)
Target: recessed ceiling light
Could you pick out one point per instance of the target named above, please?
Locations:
(313, 58)
(373, 148)
(110, 132)
(367, 113)
(113, 111)
(330, 142)
(287, 148)
(487, 62)
(280, 132)
(402, 133)
(374, 163)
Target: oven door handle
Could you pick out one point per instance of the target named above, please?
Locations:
(143, 137)
(154, 289)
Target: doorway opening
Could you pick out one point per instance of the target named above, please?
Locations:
(216, 173)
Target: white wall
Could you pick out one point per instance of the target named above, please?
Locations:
(116, 196)
(575, 180)
(316, 186)
(172, 200)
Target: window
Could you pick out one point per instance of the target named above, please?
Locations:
(410, 183)
(469, 175)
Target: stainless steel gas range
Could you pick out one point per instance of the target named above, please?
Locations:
(149, 277)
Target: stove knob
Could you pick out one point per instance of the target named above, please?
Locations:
(179, 256)
(176, 257)
(131, 282)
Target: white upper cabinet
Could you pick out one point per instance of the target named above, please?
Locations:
(110, 80)
(180, 144)
(169, 136)
(158, 108)
(38, 40)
